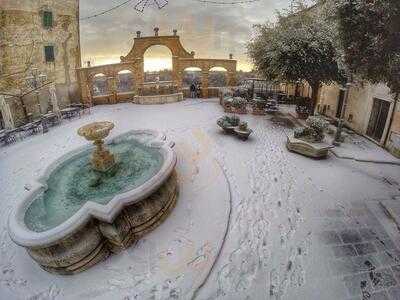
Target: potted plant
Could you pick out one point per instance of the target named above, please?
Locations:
(228, 123)
(309, 140)
(259, 106)
(227, 104)
(243, 131)
(239, 104)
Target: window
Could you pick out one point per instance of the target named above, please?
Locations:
(49, 53)
(47, 19)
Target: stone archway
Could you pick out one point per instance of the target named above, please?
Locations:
(141, 44)
(134, 62)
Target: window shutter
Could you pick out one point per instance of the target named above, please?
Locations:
(49, 53)
(47, 19)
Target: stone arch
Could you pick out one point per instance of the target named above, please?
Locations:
(141, 44)
(125, 81)
(218, 77)
(159, 66)
(99, 84)
(134, 61)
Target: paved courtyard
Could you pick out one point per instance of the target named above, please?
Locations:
(253, 221)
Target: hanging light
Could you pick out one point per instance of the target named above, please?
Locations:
(142, 4)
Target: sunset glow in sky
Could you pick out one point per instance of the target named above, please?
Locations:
(212, 31)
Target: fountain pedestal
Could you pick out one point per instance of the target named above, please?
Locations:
(102, 159)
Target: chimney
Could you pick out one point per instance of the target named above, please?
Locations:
(138, 34)
(156, 31)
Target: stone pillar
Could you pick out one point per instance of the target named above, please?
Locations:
(54, 100)
(6, 112)
(231, 79)
(86, 86)
(176, 73)
(112, 88)
(138, 76)
(204, 84)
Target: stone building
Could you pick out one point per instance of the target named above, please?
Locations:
(41, 35)
(371, 109)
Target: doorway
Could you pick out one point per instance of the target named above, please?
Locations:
(340, 104)
(377, 120)
(2, 125)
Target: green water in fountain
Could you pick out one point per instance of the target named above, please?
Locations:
(74, 183)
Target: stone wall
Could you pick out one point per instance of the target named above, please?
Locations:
(359, 107)
(24, 36)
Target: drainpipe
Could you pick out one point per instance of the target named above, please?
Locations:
(339, 129)
(396, 98)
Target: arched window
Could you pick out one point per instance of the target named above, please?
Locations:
(191, 75)
(217, 77)
(125, 81)
(99, 84)
(157, 64)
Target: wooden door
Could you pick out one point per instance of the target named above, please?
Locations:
(378, 118)
(340, 103)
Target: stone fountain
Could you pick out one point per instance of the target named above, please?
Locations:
(67, 224)
(102, 160)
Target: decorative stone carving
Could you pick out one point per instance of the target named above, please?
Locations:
(242, 131)
(97, 240)
(102, 159)
(309, 140)
(315, 150)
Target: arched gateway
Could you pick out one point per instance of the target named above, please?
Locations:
(134, 62)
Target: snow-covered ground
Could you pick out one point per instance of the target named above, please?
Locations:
(253, 221)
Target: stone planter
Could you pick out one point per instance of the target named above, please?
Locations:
(241, 110)
(225, 128)
(314, 150)
(258, 112)
(228, 109)
(302, 116)
(158, 99)
(243, 134)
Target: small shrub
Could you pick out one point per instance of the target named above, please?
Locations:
(239, 102)
(243, 126)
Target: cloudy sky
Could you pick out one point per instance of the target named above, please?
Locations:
(211, 30)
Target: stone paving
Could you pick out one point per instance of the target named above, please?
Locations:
(360, 253)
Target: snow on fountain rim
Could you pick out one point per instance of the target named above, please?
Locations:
(23, 236)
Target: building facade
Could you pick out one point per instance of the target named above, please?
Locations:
(42, 35)
(371, 111)
(371, 108)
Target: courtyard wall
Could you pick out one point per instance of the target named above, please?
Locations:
(24, 35)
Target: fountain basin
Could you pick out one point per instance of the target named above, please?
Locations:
(158, 99)
(67, 225)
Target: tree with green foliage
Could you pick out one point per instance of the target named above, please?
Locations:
(300, 46)
(369, 33)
